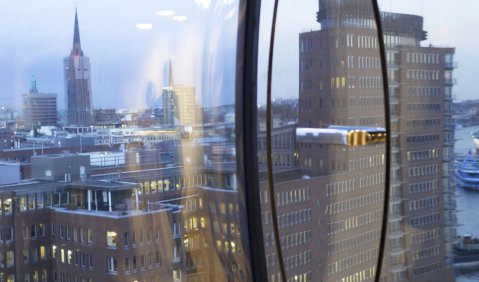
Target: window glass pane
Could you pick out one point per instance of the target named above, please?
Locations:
(329, 194)
(118, 137)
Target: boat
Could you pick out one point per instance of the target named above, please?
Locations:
(467, 173)
(467, 243)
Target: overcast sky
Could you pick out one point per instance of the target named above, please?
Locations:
(129, 43)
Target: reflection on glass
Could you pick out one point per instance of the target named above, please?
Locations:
(329, 204)
(133, 177)
(329, 195)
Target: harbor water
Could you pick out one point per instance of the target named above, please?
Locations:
(467, 205)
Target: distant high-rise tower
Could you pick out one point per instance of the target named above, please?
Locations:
(39, 108)
(179, 105)
(77, 83)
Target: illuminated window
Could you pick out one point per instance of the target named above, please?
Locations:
(42, 252)
(111, 239)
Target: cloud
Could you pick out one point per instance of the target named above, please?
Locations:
(180, 18)
(144, 26)
(166, 13)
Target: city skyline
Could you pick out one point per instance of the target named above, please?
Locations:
(129, 49)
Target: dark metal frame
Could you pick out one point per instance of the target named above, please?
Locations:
(246, 136)
(387, 121)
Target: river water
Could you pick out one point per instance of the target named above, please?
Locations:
(467, 205)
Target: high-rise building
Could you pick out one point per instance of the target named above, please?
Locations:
(39, 109)
(341, 84)
(330, 210)
(179, 103)
(422, 212)
(77, 83)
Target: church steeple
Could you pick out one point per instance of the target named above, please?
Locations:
(76, 38)
(33, 85)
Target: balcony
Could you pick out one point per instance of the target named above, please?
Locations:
(450, 65)
(450, 81)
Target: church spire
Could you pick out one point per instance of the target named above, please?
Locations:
(33, 85)
(76, 38)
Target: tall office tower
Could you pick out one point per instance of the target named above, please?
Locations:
(77, 83)
(422, 212)
(179, 103)
(39, 109)
(341, 85)
(186, 104)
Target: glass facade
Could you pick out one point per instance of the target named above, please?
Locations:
(223, 140)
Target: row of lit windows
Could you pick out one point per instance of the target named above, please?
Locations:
(363, 275)
(425, 236)
(163, 185)
(7, 259)
(32, 254)
(425, 220)
(291, 197)
(297, 260)
(422, 155)
(353, 242)
(371, 161)
(423, 91)
(295, 239)
(193, 223)
(354, 222)
(422, 139)
(232, 209)
(352, 261)
(424, 107)
(423, 203)
(422, 74)
(425, 253)
(293, 218)
(39, 200)
(371, 180)
(304, 277)
(35, 276)
(422, 58)
(340, 187)
(423, 170)
(354, 203)
(233, 229)
(370, 82)
(369, 62)
(394, 40)
(421, 187)
(368, 42)
(423, 123)
(71, 257)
